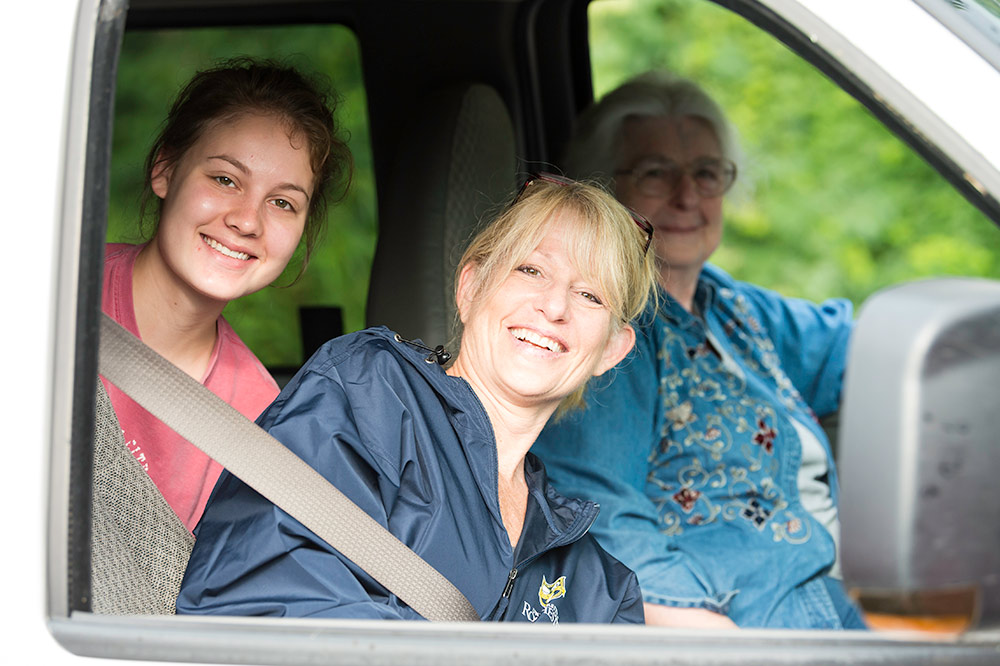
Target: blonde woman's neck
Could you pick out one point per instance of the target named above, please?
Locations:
(515, 426)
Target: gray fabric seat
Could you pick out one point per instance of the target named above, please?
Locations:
(457, 163)
(139, 547)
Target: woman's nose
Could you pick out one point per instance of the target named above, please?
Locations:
(685, 193)
(245, 218)
(553, 302)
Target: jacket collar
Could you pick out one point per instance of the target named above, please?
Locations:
(552, 520)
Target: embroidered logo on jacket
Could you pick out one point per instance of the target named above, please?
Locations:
(551, 591)
(547, 594)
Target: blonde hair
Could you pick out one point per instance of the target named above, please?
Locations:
(606, 246)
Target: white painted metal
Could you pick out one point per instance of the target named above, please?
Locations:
(932, 79)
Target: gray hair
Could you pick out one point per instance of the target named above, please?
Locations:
(596, 144)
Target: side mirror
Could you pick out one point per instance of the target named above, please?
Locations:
(919, 451)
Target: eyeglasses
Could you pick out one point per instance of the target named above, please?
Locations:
(712, 176)
(639, 220)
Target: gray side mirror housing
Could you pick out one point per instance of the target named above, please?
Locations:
(919, 451)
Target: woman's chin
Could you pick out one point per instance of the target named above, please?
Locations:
(536, 391)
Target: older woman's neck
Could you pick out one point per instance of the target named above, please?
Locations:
(680, 285)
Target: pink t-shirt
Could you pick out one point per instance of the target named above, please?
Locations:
(182, 472)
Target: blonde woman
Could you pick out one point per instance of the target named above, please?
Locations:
(441, 456)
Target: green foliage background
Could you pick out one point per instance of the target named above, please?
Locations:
(839, 206)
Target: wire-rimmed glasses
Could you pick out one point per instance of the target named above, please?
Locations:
(657, 177)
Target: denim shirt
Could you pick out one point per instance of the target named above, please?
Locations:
(695, 462)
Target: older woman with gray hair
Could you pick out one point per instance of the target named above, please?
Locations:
(703, 447)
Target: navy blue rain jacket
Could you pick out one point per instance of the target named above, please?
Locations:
(414, 448)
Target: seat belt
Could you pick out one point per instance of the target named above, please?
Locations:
(267, 466)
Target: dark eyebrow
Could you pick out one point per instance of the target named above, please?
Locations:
(293, 186)
(242, 167)
(232, 160)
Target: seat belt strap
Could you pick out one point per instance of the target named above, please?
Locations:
(267, 466)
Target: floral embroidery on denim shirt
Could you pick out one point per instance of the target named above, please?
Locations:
(716, 459)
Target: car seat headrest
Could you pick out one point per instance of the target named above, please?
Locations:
(456, 163)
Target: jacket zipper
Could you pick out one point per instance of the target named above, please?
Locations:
(509, 587)
(510, 582)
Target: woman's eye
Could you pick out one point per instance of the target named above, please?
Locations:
(284, 204)
(225, 180)
(591, 297)
(529, 270)
(707, 174)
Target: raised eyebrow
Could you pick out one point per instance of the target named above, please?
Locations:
(232, 160)
(533, 259)
(245, 169)
(293, 186)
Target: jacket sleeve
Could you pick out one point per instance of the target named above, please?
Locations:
(252, 558)
(811, 342)
(602, 454)
(631, 611)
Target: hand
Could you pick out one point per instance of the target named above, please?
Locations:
(690, 618)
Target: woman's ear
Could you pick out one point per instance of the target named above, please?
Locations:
(463, 295)
(159, 178)
(619, 345)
